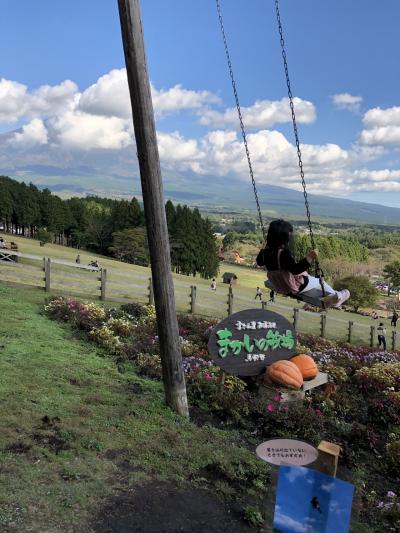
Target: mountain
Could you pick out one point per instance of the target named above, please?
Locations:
(281, 202)
(209, 194)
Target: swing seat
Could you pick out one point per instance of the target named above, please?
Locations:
(313, 297)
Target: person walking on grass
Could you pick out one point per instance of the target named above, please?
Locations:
(272, 296)
(381, 330)
(395, 318)
(258, 294)
(213, 285)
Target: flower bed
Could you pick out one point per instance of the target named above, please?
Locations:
(359, 409)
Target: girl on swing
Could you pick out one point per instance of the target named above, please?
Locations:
(288, 277)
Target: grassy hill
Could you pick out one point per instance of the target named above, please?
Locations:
(80, 436)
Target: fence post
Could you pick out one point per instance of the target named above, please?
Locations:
(323, 326)
(295, 317)
(230, 301)
(394, 339)
(151, 292)
(350, 331)
(372, 336)
(47, 270)
(103, 280)
(44, 271)
(193, 299)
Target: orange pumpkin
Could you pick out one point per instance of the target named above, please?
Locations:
(306, 365)
(285, 373)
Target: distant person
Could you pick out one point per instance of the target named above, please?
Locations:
(78, 259)
(2, 243)
(288, 277)
(395, 318)
(213, 285)
(258, 294)
(381, 330)
(272, 296)
(374, 315)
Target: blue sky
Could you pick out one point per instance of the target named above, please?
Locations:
(343, 64)
(294, 513)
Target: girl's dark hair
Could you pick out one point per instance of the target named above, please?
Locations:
(279, 234)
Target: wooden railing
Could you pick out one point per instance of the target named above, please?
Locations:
(111, 284)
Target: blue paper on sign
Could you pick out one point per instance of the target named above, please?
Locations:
(310, 502)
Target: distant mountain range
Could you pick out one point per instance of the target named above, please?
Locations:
(281, 202)
(210, 194)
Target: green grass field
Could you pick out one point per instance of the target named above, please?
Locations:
(76, 430)
(209, 303)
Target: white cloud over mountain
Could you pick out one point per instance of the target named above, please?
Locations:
(61, 126)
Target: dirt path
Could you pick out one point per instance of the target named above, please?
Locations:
(161, 508)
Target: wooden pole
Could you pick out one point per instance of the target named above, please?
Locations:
(47, 271)
(372, 336)
(295, 317)
(230, 301)
(350, 332)
(192, 299)
(151, 292)
(328, 457)
(394, 339)
(154, 205)
(323, 326)
(103, 280)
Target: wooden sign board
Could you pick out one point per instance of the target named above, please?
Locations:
(287, 451)
(248, 341)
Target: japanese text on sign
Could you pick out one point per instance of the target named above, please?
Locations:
(272, 340)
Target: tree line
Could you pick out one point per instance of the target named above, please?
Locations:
(107, 226)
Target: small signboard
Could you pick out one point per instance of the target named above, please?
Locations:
(308, 500)
(287, 451)
(248, 341)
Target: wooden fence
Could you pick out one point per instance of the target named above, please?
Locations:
(112, 284)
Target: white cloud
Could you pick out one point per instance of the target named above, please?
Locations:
(31, 134)
(283, 521)
(382, 127)
(262, 114)
(94, 127)
(327, 487)
(17, 102)
(12, 98)
(81, 131)
(295, 473)
(377, 117)
(109, 96)
(347, 101)
(177, 98)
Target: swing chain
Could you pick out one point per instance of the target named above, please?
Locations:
(318, 271)
(239, 111)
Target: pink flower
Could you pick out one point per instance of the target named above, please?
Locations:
(277, 398)
(270, 408)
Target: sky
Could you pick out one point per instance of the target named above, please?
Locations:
(294, 513)
(65, 119)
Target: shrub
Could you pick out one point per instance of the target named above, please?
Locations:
(363, 294)
(149, 365)
(379, 377)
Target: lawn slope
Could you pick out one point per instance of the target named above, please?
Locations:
(79, 436)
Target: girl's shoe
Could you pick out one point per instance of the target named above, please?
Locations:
(331, 300)
(343, 296)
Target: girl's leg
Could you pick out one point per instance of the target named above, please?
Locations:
(313, 283)
(332, 298)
